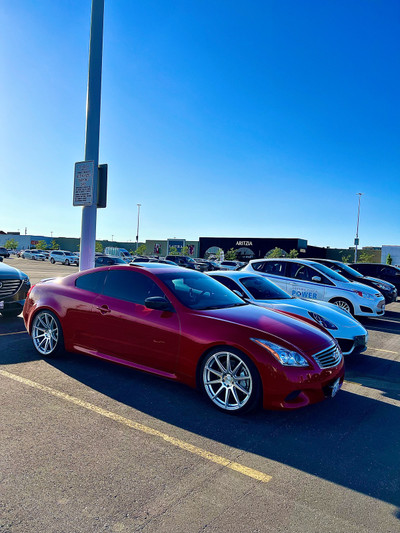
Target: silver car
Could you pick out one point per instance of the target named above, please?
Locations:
(36, 255)
(256, 289)
(64, 257)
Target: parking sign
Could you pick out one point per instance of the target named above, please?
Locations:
(83, 183)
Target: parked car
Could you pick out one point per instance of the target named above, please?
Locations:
(14, 286)
(388, 273)
(105, 260)
(185, 326)
(311, 280)
(230, 265)
(4, 252)
(36, 255)
(388, 290)
(64, 257)
(187, 262)
(349, 333)
(211, 265)
(114, 251)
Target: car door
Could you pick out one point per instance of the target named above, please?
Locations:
(305, 282)
(275, 271)
(130, 331)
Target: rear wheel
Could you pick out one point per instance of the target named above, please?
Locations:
(230, 380)
(47, 334)
(343, 304)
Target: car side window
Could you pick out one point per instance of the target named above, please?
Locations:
(230, 284)
(130, 286)
(92, 282)
(276, 268)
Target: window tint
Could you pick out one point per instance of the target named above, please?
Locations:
(130, 286)
(91, 282)
(232, 285)
(388, 271)
(306, 273)
(276, 268)
(262, 288)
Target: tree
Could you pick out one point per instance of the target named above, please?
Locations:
(231, 255)
(11, 244)
(41, 245)
(346, 258)
(185, 250)
(54, 245)
(141, 250)
(366, 257)
(173, 251)
(98, 247)
(293, 253)
(389, 259)
(276, 252)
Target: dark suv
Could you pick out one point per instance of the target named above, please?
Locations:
(388, 273)
(187, 262)
(14, 286)
(388, 290)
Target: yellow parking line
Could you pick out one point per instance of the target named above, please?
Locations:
(12, 333)
(380, 350)
(250, 472)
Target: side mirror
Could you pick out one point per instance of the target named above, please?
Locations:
(158, 302)
(317, 279)
(240, 294)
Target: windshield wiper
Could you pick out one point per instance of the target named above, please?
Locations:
(222, 306)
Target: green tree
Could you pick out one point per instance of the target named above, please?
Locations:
(98, 247)
(231, 255)
(293, 253)
(41, 245)
(276, 252)
(141, 250)
(11, 244)
(365, 257)
(185, 250)
(173, 251)
(346, 258)
(54, 245)
(389, 259)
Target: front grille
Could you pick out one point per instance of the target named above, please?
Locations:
(9, 287)
(329, 357)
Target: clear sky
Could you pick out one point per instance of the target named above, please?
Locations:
(221, 117)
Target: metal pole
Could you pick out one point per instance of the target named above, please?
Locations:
(358, 222)
(137, 229)
(89, 213)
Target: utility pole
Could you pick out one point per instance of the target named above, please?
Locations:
(137, 229)
(89, 212)
(357, 240)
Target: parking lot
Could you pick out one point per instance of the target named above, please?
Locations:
(88, 446)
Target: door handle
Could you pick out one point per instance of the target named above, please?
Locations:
(104, 309)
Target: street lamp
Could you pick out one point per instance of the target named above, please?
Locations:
(137, 229)
(357, 240)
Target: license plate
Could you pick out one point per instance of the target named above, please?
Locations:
(335, 387)
(1, 305)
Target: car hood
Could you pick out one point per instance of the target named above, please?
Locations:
(382, 281)
(274, 326)
(354, 285)
(9, 272)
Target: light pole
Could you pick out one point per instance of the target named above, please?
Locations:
(137, 229)
(357, 240)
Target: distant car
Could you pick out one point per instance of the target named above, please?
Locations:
(64, 257)
(105, 260)
(211, 265)
(36, 255)
(185, 326)
(187, 262)
(388, 290)
(14, 287)
(230, 265)
(350, 334)
(388, 273)
(4, 252)
(311, 280)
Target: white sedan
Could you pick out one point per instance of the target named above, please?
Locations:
(256, 289)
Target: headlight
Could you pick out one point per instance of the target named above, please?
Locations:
(382, 286)
(324, 322)
(283, 355)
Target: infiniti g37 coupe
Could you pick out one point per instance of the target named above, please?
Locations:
(183, 325)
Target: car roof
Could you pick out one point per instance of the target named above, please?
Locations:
(234, 274)
(286, 259)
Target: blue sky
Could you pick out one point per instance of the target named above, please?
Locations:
(220, 117)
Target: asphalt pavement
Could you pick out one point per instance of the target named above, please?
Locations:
(88, 446)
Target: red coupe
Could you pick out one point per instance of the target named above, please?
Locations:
(184, 325)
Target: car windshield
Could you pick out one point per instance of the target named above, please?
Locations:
(347, 269)
(330, 273)
(263, 289)
(198, 291)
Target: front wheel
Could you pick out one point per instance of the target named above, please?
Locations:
(52, 261)
(230, 381)
(343, 304)
(47, 334)
(66, 262)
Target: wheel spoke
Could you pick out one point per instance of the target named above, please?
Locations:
(235, 395)
(218, 391)
(213, 382)
(226, 397)
(220, 364)
(228, 362)
(242, 389)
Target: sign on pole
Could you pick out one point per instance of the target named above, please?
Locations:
(83, 183)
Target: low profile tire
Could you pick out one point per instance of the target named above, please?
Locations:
(230, 381)
(343, 304)
(52, 261)
(47, 336)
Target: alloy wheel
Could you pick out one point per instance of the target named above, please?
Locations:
(45, 333)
